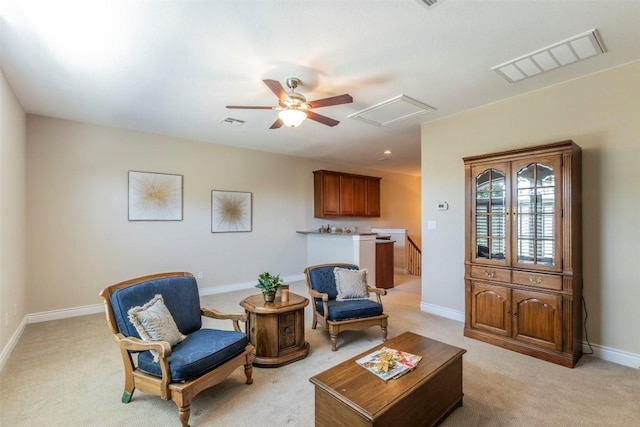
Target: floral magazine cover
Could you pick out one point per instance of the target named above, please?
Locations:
(388, 363)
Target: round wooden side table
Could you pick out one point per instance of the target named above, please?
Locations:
(276, 329)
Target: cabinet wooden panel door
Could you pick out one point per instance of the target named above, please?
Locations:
(537, 318)
(330, 197)
(360, 189)
(347, 195)
(373, 197)
(491, 308)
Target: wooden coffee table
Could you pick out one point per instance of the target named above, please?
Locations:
(348, 394)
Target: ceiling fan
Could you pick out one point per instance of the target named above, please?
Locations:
(294, 108)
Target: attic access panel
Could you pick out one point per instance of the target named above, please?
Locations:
(392, 111)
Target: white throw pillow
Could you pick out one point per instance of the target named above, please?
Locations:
(351, 284)
(154, 322)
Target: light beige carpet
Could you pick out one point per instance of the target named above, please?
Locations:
(69, 373)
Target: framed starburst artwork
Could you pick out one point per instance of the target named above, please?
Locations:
(155, 196)
(230, 211)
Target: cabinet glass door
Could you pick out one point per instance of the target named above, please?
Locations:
(490, 216)
(537, 213)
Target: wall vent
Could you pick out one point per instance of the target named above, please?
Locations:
(428, 4)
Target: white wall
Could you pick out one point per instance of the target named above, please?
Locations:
(601, 113)
(12, 216)
(79, 238)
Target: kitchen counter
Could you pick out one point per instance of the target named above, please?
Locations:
(337, 233)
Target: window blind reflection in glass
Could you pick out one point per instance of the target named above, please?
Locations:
(497, 248)
(545, 250)
(526, 251)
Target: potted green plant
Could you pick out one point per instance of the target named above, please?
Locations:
(269, 285)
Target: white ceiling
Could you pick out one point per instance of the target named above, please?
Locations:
(170, 67)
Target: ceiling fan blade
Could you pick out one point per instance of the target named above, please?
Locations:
(277, 124)
(334, 100)
(277, 88)
(249, 107)
(321, 119)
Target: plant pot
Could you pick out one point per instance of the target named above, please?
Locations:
(269, 296)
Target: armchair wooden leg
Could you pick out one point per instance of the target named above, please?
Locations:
(126, 396)
(184, 412)
(129, 383)
(334, 342)
(129, 388)
(384, 333)
(248, 372)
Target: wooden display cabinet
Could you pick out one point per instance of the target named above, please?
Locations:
(523, 264)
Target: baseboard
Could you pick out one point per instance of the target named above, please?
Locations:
(45, 316)
(442, 311)
(609, 354)
(244, 285)
(212, 290)
(13, 341)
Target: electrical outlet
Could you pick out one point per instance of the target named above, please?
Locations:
(200, 275)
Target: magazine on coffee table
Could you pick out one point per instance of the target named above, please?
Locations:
(388, 363)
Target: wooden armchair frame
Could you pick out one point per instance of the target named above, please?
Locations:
(336, 326)
(179, 392)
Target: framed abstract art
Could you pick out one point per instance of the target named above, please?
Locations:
(230, 211)
(155, 196)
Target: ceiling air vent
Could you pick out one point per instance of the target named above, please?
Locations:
(574, 49)
(428, 4)
(232, 122)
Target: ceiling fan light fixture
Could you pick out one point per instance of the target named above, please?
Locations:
(292, 117)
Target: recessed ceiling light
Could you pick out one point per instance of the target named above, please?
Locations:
(557, 55)
(387, 152)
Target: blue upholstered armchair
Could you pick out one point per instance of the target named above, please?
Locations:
(159, 318)
(339, 312)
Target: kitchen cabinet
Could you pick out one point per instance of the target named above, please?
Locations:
(338, 194)
(523, 264)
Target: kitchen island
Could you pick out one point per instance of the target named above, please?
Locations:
(353, 248)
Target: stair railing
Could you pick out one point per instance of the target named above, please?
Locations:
(414, 258)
